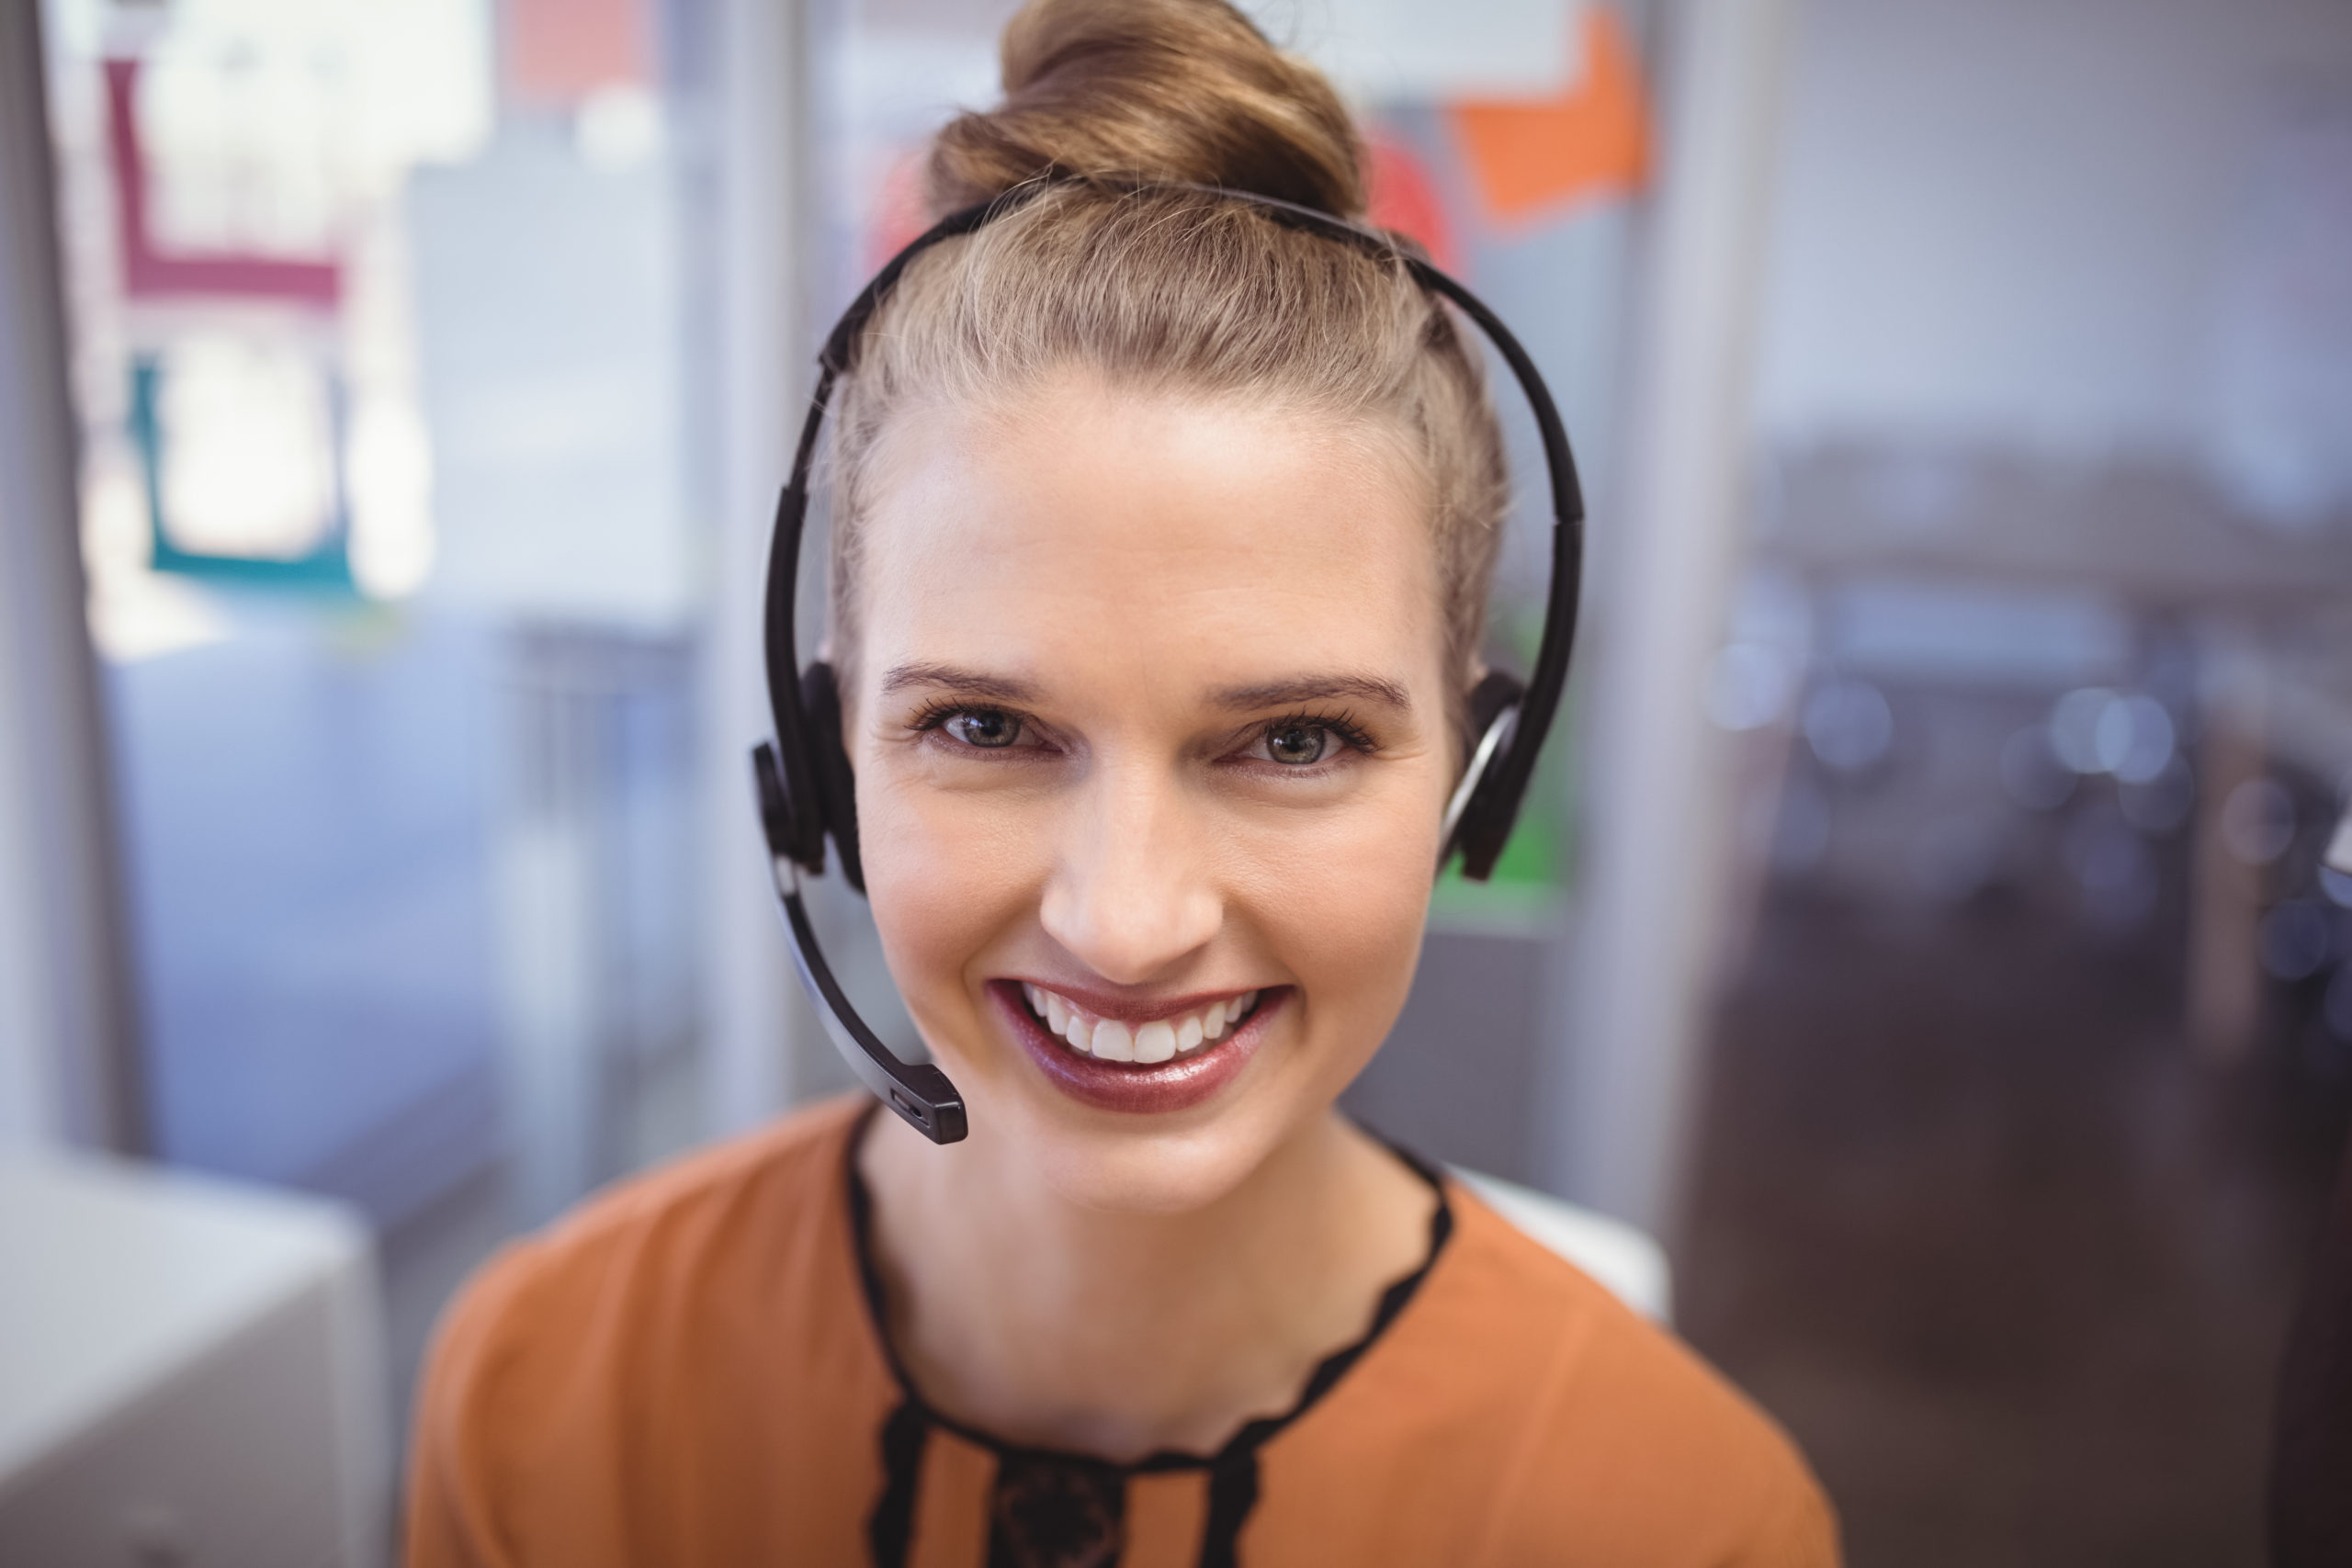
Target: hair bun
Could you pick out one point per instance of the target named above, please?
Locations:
(1181, 90)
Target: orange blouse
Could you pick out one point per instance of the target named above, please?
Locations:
(687, 1372)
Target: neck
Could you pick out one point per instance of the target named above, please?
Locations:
(1048, 1323)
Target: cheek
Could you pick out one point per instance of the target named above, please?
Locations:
(1345, 909)
(945, 883)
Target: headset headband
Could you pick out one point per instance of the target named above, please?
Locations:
(804, 784)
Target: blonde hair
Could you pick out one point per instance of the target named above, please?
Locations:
(1165, 289)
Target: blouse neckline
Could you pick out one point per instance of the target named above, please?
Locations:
(1251, 1436)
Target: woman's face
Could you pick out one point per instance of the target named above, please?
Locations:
(1149, 723)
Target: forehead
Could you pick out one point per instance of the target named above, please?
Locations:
(1137, 536)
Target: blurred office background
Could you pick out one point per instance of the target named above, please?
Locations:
(1921, 929)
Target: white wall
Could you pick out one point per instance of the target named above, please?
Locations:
(29, 1110)
(2007, 221)
(65, 1028)
(1618, 1112)
(753, 1020)
(1376, 50)
(30, 1113)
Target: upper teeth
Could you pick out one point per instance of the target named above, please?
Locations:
(1155, 1042)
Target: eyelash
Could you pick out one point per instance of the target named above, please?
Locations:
(935, 712)
(1341, 726)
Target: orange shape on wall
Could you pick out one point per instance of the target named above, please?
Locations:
(1529, 155)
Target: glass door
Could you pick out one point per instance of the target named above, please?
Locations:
(381, 343)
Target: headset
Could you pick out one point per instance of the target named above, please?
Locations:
(804, 790)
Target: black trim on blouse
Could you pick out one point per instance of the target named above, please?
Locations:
(1054, 1508)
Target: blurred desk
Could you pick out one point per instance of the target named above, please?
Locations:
(190, 1374)
(2136, 542)
(2151, 534)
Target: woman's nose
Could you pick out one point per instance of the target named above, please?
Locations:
(1131, 895)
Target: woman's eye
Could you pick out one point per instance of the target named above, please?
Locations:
(1296, 745)
(985, 729)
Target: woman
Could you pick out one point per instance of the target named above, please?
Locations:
(1163, 532)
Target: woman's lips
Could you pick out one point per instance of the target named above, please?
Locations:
(1153, 1089)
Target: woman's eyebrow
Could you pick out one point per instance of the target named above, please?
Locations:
(1315, 688)
(961, 680)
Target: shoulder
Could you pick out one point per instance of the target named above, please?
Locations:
(647, 1298)
(736, 1205)
(1632, 1445)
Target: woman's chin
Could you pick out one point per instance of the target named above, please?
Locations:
(1147, 1173)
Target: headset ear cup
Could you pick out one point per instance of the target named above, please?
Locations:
(836, 785)
(1494, 691)
(1486, 820)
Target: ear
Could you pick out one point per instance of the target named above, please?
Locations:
(836, 782)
